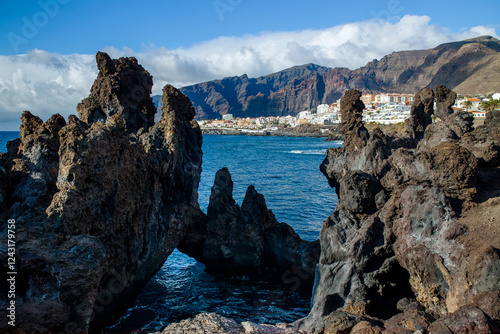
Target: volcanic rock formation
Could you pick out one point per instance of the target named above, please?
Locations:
(249, 241)
(122, 88)
(98, 202)
(399, 239)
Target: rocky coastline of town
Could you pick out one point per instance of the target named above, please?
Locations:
(412, 246)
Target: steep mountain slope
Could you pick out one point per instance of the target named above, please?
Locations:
(467, 67)
(296, 88)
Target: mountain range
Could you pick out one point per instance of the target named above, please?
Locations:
(468, 67)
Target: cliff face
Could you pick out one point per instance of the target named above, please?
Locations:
(297, 88)
(99, 202)
(467, 67)
(400, 239)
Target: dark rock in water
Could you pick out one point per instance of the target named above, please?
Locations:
(123, 87)
(248, 240)
(395, 235)
(99, 204)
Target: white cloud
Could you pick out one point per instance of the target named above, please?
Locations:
(46, 83)
(43, 83)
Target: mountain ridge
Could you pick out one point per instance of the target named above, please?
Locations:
(470, 66)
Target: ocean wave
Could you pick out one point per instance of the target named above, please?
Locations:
(315, 152)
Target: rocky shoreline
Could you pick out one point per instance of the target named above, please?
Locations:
(331, 132)
(101, 200)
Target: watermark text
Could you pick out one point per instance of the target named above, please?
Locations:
(31, 26)
(11, 272)
(223, 6)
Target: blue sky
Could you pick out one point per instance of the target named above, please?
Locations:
(48, 47)
(77, 26)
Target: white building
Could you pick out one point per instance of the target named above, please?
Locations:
(305, 115)
(398, 98)
(322, 109)
(227, 117)
(475, 103)
(496, 96)
(395, 107)
(478, 114)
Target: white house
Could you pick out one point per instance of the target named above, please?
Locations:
(496, 96)
(227, 117)
(305, 115)
(478, 114)
(322, 109)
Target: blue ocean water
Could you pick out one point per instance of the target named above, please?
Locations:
(5, 136)
(286, 171)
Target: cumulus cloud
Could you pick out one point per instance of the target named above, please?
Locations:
(43, 83)
(46, 83)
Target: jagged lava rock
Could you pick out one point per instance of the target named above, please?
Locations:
(420, 115)
(123, 87)
(395, 231)
(101, 202)
(445, 99)
(351, 109)
(248, 240)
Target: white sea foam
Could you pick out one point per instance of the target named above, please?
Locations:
(316, 152)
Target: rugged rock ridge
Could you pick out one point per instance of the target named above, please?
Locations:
(123, 87)
(249, 241)
(394, 243)
(465, 66)
(99, 202)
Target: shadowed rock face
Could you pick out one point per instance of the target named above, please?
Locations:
(248, 240)
(99, 202)
(394, 234)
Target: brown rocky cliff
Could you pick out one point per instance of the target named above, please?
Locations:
(467, 67)
(99, 202)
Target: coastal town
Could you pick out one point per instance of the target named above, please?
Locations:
(388, 108)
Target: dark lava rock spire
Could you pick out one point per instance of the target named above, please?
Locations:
(445, 99)
(99, 202)
(420, 116)
(351, 109)
(123, 87)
